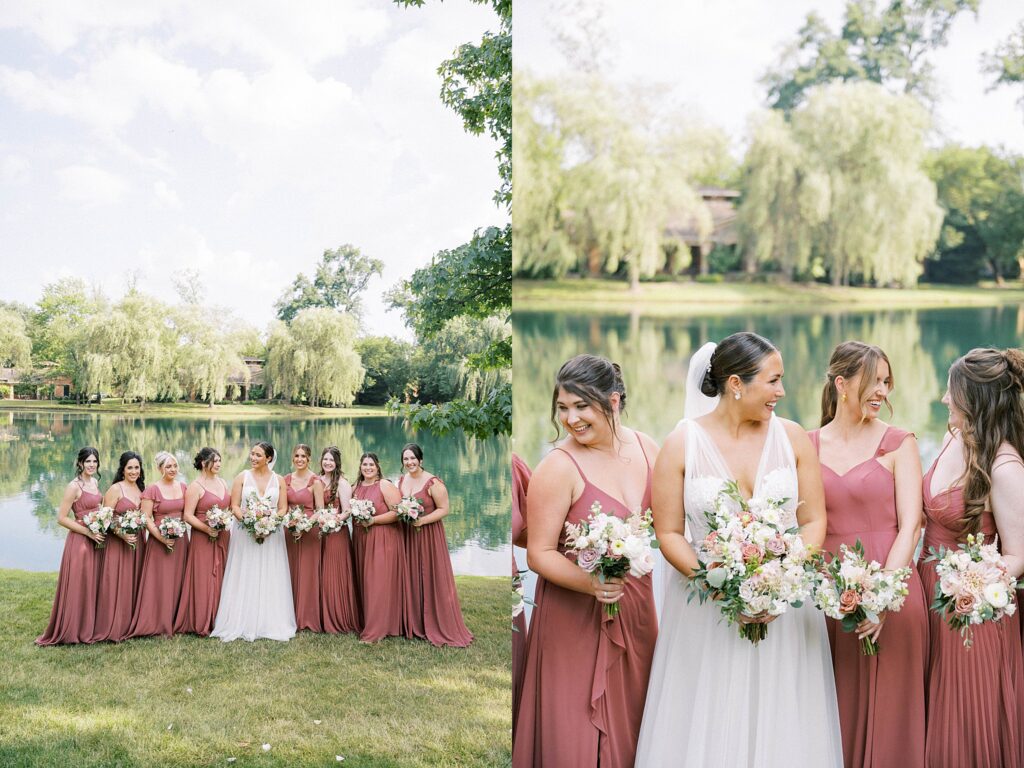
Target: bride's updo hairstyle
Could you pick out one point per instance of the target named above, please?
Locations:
(593, 379)
(987, 387)
(848, 359)
(738, 355)
(267, 448)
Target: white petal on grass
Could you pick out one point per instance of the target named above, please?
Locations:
(266, 747)
(170, 726)
(317, 722)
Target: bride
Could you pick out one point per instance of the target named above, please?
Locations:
(714, 697)
(256, 598)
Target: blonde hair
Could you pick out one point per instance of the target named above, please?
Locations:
(162, 458)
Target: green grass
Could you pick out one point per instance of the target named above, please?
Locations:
(397, 703)
(195, 410)
(690, 298)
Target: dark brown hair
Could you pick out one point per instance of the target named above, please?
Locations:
(305, 449)
(127, 456)
(368, 455)
(986, 386)
(848, 359)
(82, 457)
(205, 458)
(337, 474)
(593, 379)
(741, 354)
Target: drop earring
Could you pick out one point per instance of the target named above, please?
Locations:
(844, 397)
(736, 395)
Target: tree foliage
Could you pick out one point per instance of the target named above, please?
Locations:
(840, 187)
(1007, 61)
(885, 44)
(15, 344)
(341, 277)
(314, 358)
(389, 370)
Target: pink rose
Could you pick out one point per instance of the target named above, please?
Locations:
(848, 601)
(587, 559)
(750, 552)
(964, 604)
(777, 545)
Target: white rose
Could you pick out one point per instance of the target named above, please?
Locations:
(635, 547)
(997, 595)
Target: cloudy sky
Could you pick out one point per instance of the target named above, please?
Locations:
(711, 54)
(239, 139)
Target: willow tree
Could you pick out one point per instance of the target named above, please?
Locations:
(314, 358)
(208, 351)
(842, 184)
(15, 345)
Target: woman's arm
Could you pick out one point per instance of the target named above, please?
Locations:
(154, 531)
(236, 497)
(318, 493)
(667, 506)
(66, 517)
(810, 514)
(110, 499)
(344, 498)
(282, 495)
(551, 493)
(439, 493)
(192, 496)
(1005, 498)
(391, 496)
(907, 474)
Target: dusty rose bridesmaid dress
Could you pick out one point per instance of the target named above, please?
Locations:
(881, 698)
(431, 609)
(520, 484)
(339, 598)
(73, 617)
(304, 558)
(204, 572)
(162, 573)
(976, 696)
(383, 573)
(585, 682)
(118, 580)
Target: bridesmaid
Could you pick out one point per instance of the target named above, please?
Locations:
(339, 598)
(73, 618)
(163, 567)
(976, 697)
(432, 609)
(872, 478)
(381, 560)
(208, 548)
(122, 560)
(586, 673)
(305, 490)
(520, 486)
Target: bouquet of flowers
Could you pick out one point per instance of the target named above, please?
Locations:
(362, 510)
(409, 510)
(130, 522)
(99, 521)
(328, 521)
(172, 528)
(297, 522)
(750, 563)
(217, 519)
(260, 519)
(612, 547)
(974, 585)
(851, 589)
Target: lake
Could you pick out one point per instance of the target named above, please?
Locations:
(654, 353)
(38, 449)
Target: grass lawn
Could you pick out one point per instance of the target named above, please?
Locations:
(195, 410)
(690, 298)
(188, 701)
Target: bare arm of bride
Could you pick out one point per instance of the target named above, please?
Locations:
(553, 488)
(669, 517)
(811, 513)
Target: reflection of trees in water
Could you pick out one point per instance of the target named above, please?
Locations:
(654, 354)
(41, 458)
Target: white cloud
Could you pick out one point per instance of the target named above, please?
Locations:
(90, 185)
(15, 169)
(165, 194)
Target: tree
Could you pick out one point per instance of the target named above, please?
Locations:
(15, 345)
(840, 187)
(474, 279)
(887, 45)
(388, 364)
(341, 276)
(209, 349)
(314, 358)
(61, 312)
(1007, 61)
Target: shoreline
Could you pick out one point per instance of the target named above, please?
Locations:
(192, 410)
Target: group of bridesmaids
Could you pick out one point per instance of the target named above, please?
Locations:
(581, 682)
(387, 578)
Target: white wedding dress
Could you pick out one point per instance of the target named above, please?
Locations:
(716, 699)
(256, 596)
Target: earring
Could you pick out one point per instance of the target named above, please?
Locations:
(736, 395)
(844, 397)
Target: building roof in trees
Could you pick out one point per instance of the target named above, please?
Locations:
(721, 205)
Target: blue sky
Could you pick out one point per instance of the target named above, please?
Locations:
(238, 139)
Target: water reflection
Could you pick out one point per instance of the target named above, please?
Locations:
(37, 453)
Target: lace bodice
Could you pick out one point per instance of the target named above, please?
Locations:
(707, 471)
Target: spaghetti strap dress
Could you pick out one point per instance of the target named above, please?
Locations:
(339, 598)
(118, 581)
(204, 571)
(383, 573)
(304, 560)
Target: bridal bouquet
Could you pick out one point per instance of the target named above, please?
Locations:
(99, 521)
(217, 519)
(612, 547)
(297, 522)
(362, 510)
(130, 522)
(260, 519)
(172, 528)
(750, 563)
(328, 521)
(409, 510)
(851, 589)
(974, 585)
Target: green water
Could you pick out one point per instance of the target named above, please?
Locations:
(37, 453)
